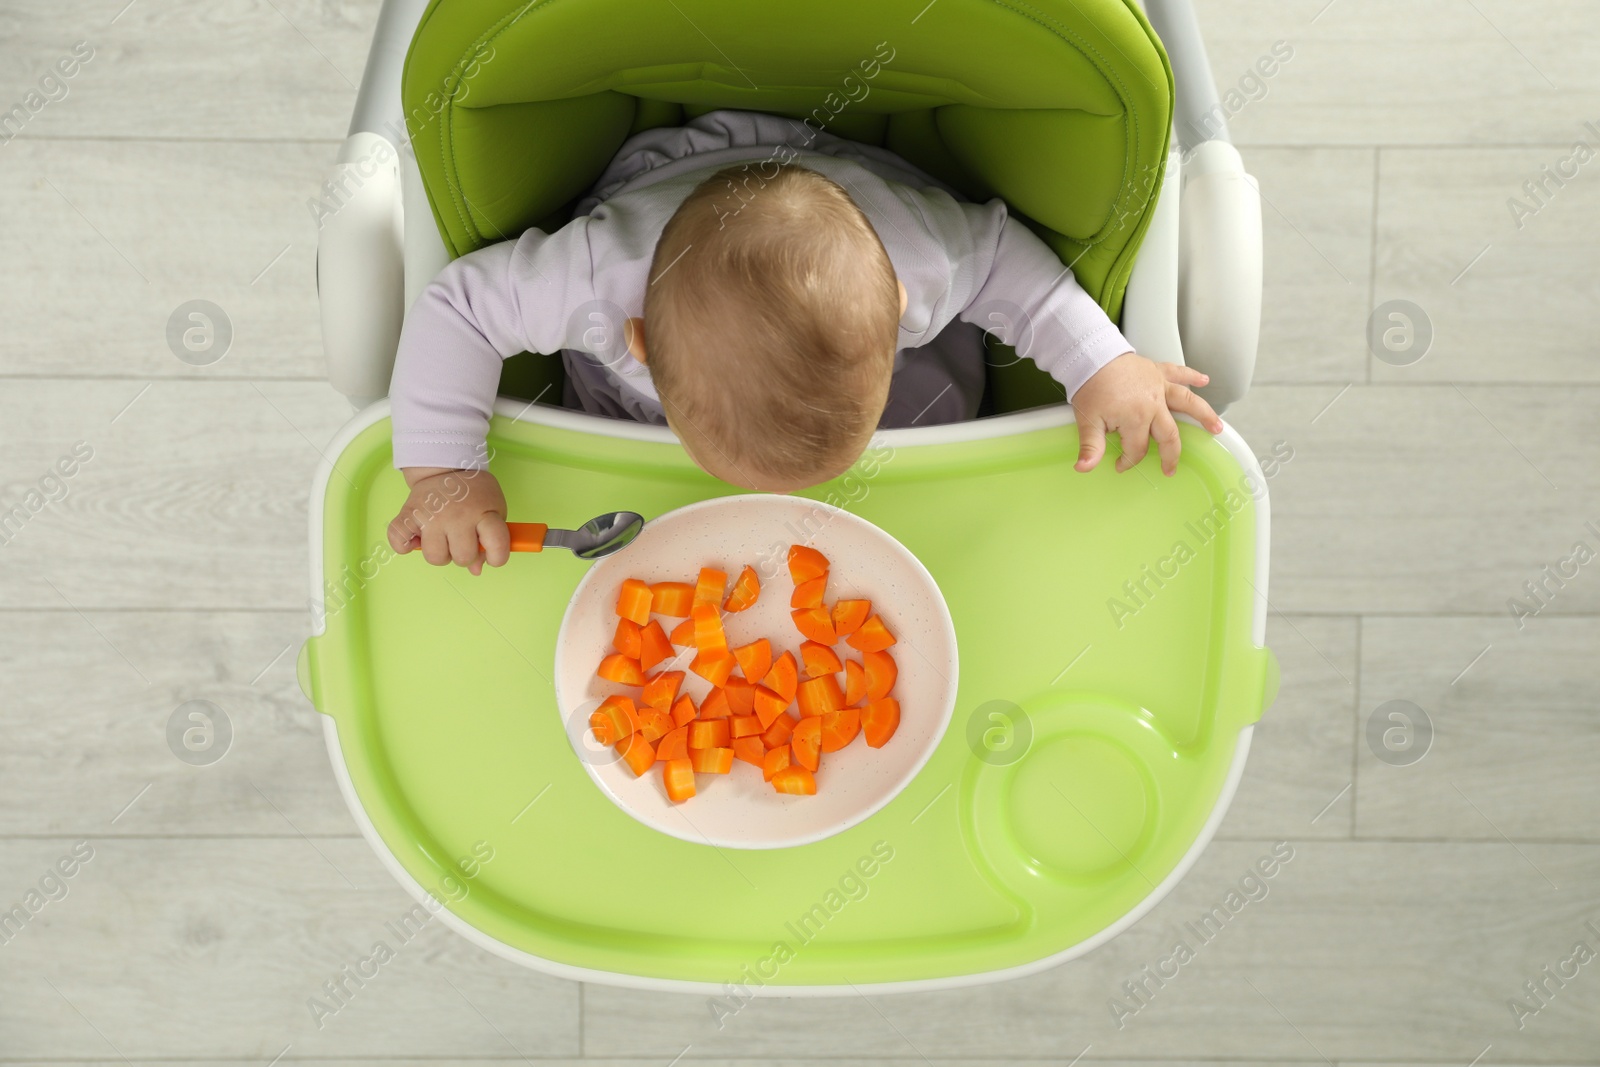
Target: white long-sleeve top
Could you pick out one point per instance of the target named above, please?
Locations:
(545, 292)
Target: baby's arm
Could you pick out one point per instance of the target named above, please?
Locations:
(1111, 387)
(482, 308)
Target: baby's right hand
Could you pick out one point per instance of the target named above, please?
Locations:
(453, 515)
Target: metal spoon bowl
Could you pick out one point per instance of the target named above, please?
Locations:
(600, 536)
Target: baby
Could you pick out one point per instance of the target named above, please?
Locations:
(773, 295)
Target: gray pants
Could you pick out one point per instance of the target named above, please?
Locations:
(940, 382)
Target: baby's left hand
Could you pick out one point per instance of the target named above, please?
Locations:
(1135, 398)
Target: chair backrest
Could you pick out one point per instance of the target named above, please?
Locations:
(1061, 107)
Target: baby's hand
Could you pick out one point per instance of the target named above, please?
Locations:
(453, 515)
(1135, 397)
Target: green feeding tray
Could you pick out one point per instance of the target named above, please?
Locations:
(1109, 630)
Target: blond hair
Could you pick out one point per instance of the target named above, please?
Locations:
(771, 318)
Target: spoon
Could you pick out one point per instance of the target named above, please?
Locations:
(600, 536)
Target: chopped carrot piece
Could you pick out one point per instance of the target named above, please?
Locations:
(879, 720)
(775, 760)
(613, 720)
(628, 638)
(678, 776)
(638, 753)
(749, 750)
(855, 683)
(673, 599)
(815, 623)
(755, 659)
(881, 673)
(796, 781)
(709, 733)
(654, 724)
(714, 666)
(619, 668)
(633, 602)
(711, 760)
(769, 705)
(783, 677)
(819, 695)
(708, 635)
(779, 732)
(806, 742)
(715, 705)
(674, 744)
(708, 590)
(741, 696)
(660, 690)
(848, 615)
(839, 728)
(873, 636)
(806, 563)
(819, 659)
(683, 711)
(654, 646)
(744, 726)
(683, 633)
(746, 588)
(809, 594)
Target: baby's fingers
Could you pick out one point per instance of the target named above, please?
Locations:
(1165, 431)
(1182, 398)
(1135, 443)
(1091, 444)
(464, 547)
(1177, 372)
(495, 537)
(403, 536)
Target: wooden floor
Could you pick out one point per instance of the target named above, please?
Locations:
(1418, 501)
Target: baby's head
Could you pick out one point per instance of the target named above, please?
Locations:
(771, 321)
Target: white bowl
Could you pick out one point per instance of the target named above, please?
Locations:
(739, 809)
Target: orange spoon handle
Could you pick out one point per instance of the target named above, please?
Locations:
(527, 536)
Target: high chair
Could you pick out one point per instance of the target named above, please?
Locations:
(1111, 628)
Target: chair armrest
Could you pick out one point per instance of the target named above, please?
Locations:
(1219, 270)
(361, 267)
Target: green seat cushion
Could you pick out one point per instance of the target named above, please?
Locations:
(1061, 107)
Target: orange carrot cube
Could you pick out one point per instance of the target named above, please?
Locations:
(627, 639)
(619, 668)
(806, 563)
(819, 695)
(881, 674)
(795, 781)
(879, 720)
(673, 599)
(746, 588)
(816, 624)
(873, 636)
(774, 761)
(755, 659)
(678, 777)
(709, 733)
(711, 760)
(633, 602)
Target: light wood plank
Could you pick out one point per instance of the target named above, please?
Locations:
(192, 69)
(86, 727)
(195, 496)
(1359, 950)
(1316, 219)
(210, 949)
(1299, 768)
(1516, 738)
(1424, 499)
(1510, 295)
(1414, 72)
(111, 237)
